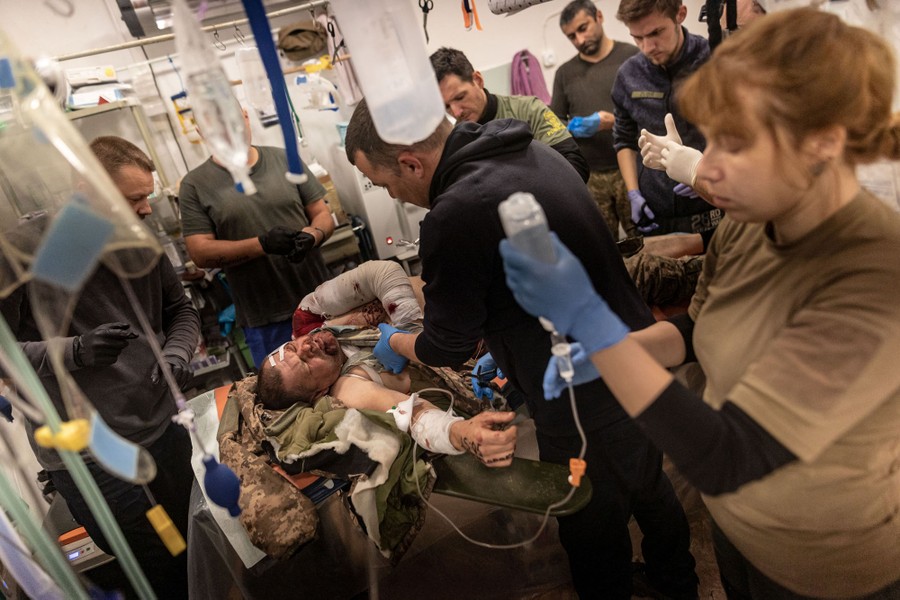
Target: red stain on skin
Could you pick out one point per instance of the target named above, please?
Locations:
(391, 308)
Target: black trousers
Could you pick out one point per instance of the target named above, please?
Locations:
(626, 474)
(171, 488)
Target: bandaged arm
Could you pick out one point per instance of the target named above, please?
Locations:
(428, 425)
(381, 280)
(488, 436)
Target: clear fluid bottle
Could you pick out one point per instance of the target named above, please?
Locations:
(387, 48)
(526, 228)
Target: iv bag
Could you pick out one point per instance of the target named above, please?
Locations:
(256, 85)
(216, 110)
(46, 166)
(387, 49)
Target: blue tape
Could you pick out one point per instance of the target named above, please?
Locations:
(7, 79)
(72, 246)
(115, 453)
(259, 24)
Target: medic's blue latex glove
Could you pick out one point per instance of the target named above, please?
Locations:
(486, 364)
(562, 292)
(585, 371)
(683, 189)
(641, 213)
(391, 361)
(582, 127)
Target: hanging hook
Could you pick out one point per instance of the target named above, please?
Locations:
(217, 42)
(238, 34)
(337, 45)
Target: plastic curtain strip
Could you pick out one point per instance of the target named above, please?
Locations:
(259, 23)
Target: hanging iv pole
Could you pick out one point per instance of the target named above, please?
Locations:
(169, 36)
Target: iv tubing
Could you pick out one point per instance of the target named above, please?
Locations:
(559, 503)
(45, 548)
(28, 381)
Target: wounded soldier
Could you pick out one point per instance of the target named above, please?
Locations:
(315, 364)
(322, 403)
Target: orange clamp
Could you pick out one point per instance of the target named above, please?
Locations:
(576, 469)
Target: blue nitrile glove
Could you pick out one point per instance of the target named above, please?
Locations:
(584, 371)
(485, 365)
(562, 292)
(227, 318)
(391, 361)
(683, 189)
(641, 213)
(582, 127)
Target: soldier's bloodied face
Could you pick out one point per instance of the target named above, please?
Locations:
(311, 363)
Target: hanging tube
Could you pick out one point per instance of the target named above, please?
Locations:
(259, 23)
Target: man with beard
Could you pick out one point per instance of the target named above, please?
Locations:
(581, 96)
(316, 364)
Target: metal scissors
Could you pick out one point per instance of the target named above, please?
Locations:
(426, 6)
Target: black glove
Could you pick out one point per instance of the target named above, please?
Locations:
(303, 243)
(279, 240)
(181, 371)
(102, 346)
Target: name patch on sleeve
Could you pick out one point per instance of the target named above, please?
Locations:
(654, 95)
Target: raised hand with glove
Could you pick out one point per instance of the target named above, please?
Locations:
(391, 361)
(485, 370)
(641, 213)
(583, 127)
(101, 346)
(585, 371)
(179, 367)
(685, 190)
(668, 153)
(562, 292)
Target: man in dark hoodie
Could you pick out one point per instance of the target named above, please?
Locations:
(462, 174)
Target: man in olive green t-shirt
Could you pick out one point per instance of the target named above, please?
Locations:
(466, 99)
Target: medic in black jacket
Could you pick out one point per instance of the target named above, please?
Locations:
(462, 174)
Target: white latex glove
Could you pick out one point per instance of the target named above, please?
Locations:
(667, 153)
(651, 145)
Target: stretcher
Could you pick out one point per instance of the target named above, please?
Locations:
(501, 505)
